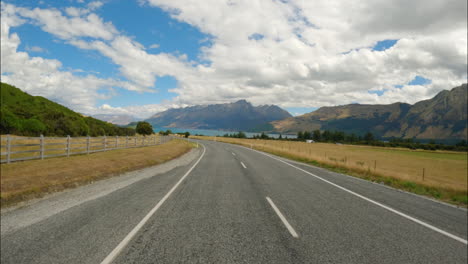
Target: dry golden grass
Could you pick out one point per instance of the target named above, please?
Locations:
(56, 146)
(24, 180)
(443, 169)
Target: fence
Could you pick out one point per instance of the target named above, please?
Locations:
(14, 148)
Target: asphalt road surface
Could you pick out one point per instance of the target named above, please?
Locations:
(235, 205)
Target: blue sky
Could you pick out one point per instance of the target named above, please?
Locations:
(141, 57)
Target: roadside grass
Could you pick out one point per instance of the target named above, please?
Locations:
(58, 145)
(26, 180)
(445, 173)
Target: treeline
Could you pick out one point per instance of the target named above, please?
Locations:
(239, 134)
(25, 115)
(369, 139)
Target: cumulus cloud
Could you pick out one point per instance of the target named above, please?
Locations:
(291, 53)
(45, 77)
(302, 58)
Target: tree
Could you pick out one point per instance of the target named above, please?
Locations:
(300, 135)
(326, 135)
(307, 135)
(144, 128)
(187, 134)
(280, 137)
(368, 137)
(32, 127)
(316, 136)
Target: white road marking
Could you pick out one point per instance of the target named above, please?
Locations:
(375, 202)
(134, 231)
(233, 153)
(243, 165)
(283, 219)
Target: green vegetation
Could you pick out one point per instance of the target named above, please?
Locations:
(144, 128)
(25, 115)
(165, 133)
(240, 134)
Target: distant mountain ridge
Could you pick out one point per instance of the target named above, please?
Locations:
(441, 117)
(116, 119)
(240, 115)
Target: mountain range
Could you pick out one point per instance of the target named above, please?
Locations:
(117, 119)
(238, 116)
(441, 117)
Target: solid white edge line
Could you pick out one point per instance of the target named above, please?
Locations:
(134, 231)
(233, 153)
(243, 165)
(459, 239)
(283, 219)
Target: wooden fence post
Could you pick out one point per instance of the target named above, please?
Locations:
(42, 147)
(8, 148)
(68, 145)
(105, 143)
(116, 141)
(126, 141)
(87, 145)
(135, 141)
(423, 174)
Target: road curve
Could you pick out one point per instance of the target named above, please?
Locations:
(237, 205)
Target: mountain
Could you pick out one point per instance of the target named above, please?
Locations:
(240, 115)
(25, 115)
(442, 117)
(116, 119)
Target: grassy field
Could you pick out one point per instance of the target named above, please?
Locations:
(439, 174)
(56, 146)
(30, 179)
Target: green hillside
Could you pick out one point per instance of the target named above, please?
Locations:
(26, 115)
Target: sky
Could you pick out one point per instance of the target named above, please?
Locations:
(141, 57)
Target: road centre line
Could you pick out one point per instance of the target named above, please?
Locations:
(445, 233)
(233, 153)
(243, 165)
(135, 230)
(283, 219)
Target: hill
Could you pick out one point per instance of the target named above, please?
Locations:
(442, 117)
(23, 114)
(240, 115)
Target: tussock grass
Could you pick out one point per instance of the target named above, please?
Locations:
(445, 173)
(31, 179)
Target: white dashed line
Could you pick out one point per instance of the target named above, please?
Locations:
(283, 219)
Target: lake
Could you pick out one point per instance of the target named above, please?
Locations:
(212, 133)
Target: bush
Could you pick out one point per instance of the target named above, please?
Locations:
(32, 127)
(144, 128)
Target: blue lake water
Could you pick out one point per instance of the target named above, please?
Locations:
(212, 133)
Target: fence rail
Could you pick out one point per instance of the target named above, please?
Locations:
(14, 148)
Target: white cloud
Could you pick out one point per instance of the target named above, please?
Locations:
(153, 46)
(296, 59)
(35, 49)
(81, 24)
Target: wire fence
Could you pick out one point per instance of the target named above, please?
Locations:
(15, 148)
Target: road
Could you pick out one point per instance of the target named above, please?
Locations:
(236, 205)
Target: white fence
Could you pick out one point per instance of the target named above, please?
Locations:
(14, 148)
